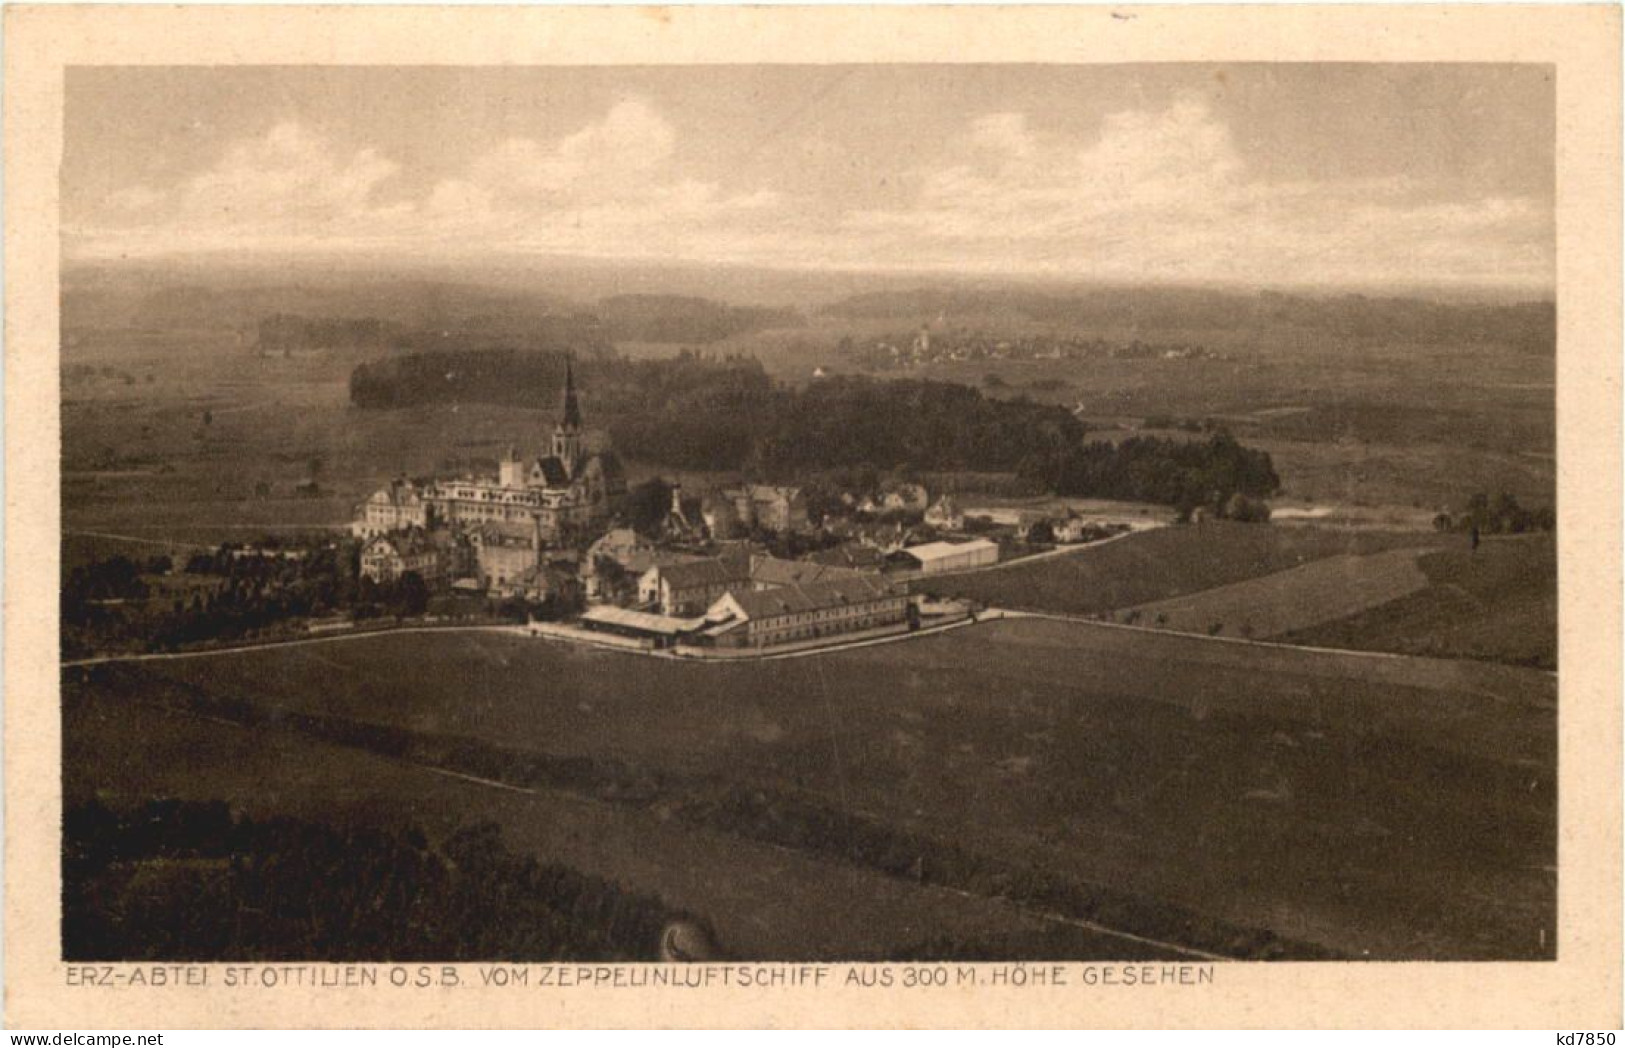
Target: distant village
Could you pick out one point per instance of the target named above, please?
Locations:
(928, 346)
(555, 523)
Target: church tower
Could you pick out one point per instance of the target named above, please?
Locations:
(567, 434)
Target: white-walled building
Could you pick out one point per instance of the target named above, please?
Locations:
(936, 558)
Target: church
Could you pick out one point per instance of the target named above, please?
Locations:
(569, 491)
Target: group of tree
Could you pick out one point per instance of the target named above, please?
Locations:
(864, 425)
(1502, 515)
(693, 412)
(1208, 473)
(113, 578)
(846, 422)
(226, 593)
(196, 881)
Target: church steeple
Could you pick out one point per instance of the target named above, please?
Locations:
(572, 411)
(567, 434)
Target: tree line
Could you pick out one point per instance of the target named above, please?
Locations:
(871, 425)
(694, 412)
(1502, 515)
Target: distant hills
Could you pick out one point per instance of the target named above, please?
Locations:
(408, 314)
(691, 306)
(679, 318)
(286, 333)
(1530, 325)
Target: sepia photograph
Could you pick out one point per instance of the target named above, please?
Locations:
(1019, 512)
(737, 516)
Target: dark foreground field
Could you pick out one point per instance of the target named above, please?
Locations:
(887, 801)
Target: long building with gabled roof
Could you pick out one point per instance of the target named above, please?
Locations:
(805, 611)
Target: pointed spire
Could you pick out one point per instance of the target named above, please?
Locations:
(572, 411)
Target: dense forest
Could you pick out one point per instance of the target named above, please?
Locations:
(188, 881)
(703, 413)
(845, 423)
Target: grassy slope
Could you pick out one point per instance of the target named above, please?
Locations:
(1364, 805)
(1322, 590)
(1159, 564)
(1499, 603)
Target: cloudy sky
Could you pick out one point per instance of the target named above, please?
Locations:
(1254, 174)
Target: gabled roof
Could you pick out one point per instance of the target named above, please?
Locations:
(790, 600)
(712, 571)
(554, 473)
(931, 551)
(405, 543)
(626, 618)
(851, 555)
(771, 571)
(624, 538)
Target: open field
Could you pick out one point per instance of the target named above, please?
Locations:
(1163, 563)
(1298, 598)
(1371, 807)
(1498, 603)
(122, 751)
(143, 460)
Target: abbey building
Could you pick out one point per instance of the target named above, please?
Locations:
(531, 502)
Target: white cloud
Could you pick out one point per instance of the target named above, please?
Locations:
(1164, 193)
(630, 146)
(606, 188)
(1155, 193)
(287, 177)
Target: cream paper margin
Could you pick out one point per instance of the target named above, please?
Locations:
(1579, 990)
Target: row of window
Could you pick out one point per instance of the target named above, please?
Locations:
(851, 611)
(778, 635)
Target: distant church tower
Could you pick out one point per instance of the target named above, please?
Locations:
(567, 434)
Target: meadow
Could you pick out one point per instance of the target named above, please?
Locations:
(1163, 563)
(1498, 602)
(1362, 807)
(1320, 591)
